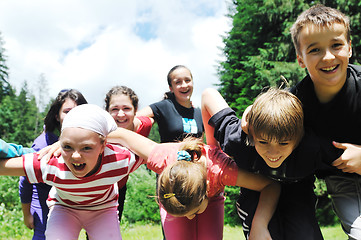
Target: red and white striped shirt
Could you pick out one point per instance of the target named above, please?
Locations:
(98, 191)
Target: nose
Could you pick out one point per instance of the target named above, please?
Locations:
(120, 113)
(184, 84)
(272, 151)
(328, 55)
(75, 155)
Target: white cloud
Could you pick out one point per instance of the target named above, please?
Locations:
(94, 45)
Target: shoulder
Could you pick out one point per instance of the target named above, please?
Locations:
(357, 70)
(162, 103)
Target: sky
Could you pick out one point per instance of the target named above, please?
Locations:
(93, 45)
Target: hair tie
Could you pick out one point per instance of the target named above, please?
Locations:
(169, 195)
(184, 155)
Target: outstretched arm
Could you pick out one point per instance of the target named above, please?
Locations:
(212, 102)
(147, 111)
(138, 144)
(12, 167)
(9, 150)
(270, 191)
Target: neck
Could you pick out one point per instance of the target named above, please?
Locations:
(325, 95)
(187, 103)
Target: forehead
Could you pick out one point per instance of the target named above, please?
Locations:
(76, 134)
(69, 103)
(312, 33)
(120, 99)
(181, 73)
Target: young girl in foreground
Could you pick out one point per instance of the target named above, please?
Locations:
(84, 176)
(190, 189)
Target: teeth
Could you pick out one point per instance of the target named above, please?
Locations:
(274, 159)
(76, 164)
(329, 68)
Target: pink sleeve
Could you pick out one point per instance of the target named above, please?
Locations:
(162, 155)
(145, 126)
(222, 170)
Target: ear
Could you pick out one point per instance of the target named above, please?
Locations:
(350, 49)
(103, 146)
(300, 61)
(57, 118)
(170, 89)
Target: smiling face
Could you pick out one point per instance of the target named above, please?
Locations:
(182, 86)
(325, 52)
(274, 153)
(123, 111)
(81, 149)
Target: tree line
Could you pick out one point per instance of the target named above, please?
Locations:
(258, 53)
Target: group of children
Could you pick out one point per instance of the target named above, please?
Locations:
(272, 153)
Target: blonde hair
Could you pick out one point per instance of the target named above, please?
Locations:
(321, 16)
(276, 115)
(182, 186)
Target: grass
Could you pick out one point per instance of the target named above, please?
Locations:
(154, 232)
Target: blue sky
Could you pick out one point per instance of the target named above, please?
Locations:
(92, 45)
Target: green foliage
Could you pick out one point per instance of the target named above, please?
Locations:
(230, 212)
(5, 88)
(9, 189)
(140, 202)
(154, 133)
(19, 118)
(324, 212)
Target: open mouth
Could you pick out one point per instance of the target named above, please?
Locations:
(185, 92)
(274, 159)
(122, 121)
(79, 166)
(330, 69)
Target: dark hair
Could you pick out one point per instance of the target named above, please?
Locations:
(121, 90)
(51, 122)
(169, 94)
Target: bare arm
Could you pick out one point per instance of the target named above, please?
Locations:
(209, 130)
(28, 218)
(147, 111)
(212, 101)
(12, 167)
(270, 191)
(138, 144)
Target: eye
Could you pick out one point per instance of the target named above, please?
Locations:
(283, 143)
(263, 142)
(87, 148)
(337, 45)
(314, 50)
(66, 147)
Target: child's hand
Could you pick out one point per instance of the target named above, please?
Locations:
(29, 221)
(259, 233)
(350, 160)
(51, 150)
